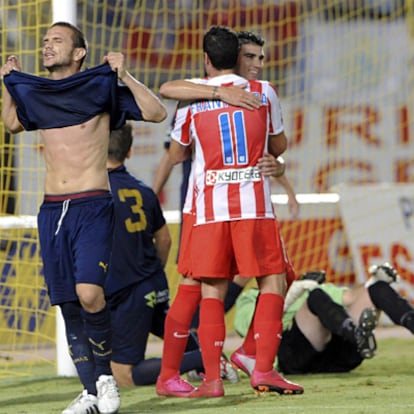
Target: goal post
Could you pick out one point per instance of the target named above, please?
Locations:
(64, 11)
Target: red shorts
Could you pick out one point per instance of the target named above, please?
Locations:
(254, 246)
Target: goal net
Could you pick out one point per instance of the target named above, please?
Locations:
(344, 73)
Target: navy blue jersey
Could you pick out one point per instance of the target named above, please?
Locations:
(44, 103)
(138, 216)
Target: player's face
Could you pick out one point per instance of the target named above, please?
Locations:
(58, 48)
(250, 61)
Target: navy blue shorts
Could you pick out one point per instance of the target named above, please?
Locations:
(137, 311)
(75, 242)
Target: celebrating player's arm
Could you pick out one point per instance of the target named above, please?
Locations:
(270, 166)
(162, 173)
(151, 107)
(233, 95)
(162, 242)
(293, 204)
(8, 112)
(178, 153)
(277, 144)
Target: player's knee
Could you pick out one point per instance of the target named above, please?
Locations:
(91, 297)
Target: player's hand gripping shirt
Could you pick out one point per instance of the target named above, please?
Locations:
(228, 142)
(44, 103)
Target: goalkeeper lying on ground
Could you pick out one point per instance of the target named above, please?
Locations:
(328, 328)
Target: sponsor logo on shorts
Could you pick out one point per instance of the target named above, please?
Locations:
(151, 299)
(163, 296)
(232, 176)
(104, 266)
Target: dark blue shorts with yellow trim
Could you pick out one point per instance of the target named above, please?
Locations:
(137, 311)
(75, 243)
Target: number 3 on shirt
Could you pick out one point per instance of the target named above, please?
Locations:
(136, 208)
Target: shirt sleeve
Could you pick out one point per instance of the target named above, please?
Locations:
(182, 119)
(275, 110)
(126, 108)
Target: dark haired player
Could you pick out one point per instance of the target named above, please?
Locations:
(74, 112)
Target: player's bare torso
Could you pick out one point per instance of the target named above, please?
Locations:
(76, 156)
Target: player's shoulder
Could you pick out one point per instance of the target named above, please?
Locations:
(227, 79)
(267, 87)
(148, 194)
(143, 187)
(262, 83)
(198, 80)
(123, 177)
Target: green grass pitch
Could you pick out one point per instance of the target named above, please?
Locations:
(381, 385)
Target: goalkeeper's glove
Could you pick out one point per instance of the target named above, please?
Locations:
(384, 272)
(297, 289)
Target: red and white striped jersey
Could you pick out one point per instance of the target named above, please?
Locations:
(189, 202)
(228, 142)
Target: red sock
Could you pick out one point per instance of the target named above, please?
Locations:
(268, 329)
(249, 343)
(211, 333)
(177, 328)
